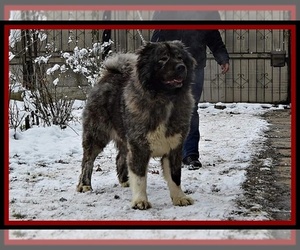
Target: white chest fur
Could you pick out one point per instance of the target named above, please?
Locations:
(160, 144)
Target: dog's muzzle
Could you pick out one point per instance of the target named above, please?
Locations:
(176, 81)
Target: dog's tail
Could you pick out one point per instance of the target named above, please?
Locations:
(121, 63)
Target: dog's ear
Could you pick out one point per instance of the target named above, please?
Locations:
(145, 62)
(189, 61)
(146, 48)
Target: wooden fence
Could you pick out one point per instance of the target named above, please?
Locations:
(252, 77)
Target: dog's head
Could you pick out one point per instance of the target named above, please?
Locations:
(165, 66)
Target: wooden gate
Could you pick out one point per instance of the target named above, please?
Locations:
(251, 77)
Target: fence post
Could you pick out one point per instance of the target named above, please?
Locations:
(106, 37)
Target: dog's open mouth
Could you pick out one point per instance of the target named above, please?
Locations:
(175, 82)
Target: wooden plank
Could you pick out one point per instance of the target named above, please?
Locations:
(252, 86)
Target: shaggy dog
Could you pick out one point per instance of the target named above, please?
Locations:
(143, 102)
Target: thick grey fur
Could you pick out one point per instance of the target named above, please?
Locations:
(142, 100)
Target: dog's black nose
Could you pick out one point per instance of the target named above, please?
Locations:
(180, 68)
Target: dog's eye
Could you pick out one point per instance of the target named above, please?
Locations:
(179, 57)
(164, 58)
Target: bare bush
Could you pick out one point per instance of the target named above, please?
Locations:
(46, 84)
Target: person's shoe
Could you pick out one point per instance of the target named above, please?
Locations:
(192, 163)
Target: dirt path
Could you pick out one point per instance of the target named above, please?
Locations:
(268, 185)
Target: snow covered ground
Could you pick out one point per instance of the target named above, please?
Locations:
(44, 167)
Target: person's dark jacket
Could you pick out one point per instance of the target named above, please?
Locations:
(195, 40)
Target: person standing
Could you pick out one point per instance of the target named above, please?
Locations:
(197, 42)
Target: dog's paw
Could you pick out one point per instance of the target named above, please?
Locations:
(141, 205)
(124, 184)
(83, 189)
(183, 201)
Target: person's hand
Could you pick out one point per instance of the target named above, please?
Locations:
(224, 67)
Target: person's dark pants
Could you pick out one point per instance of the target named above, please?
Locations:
(191, 144)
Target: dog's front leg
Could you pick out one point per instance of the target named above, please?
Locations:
(137, 160)
(172, 172)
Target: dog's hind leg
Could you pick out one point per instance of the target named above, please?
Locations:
(91, 149)
(137, 160)
(121, 163)
(172, 172)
